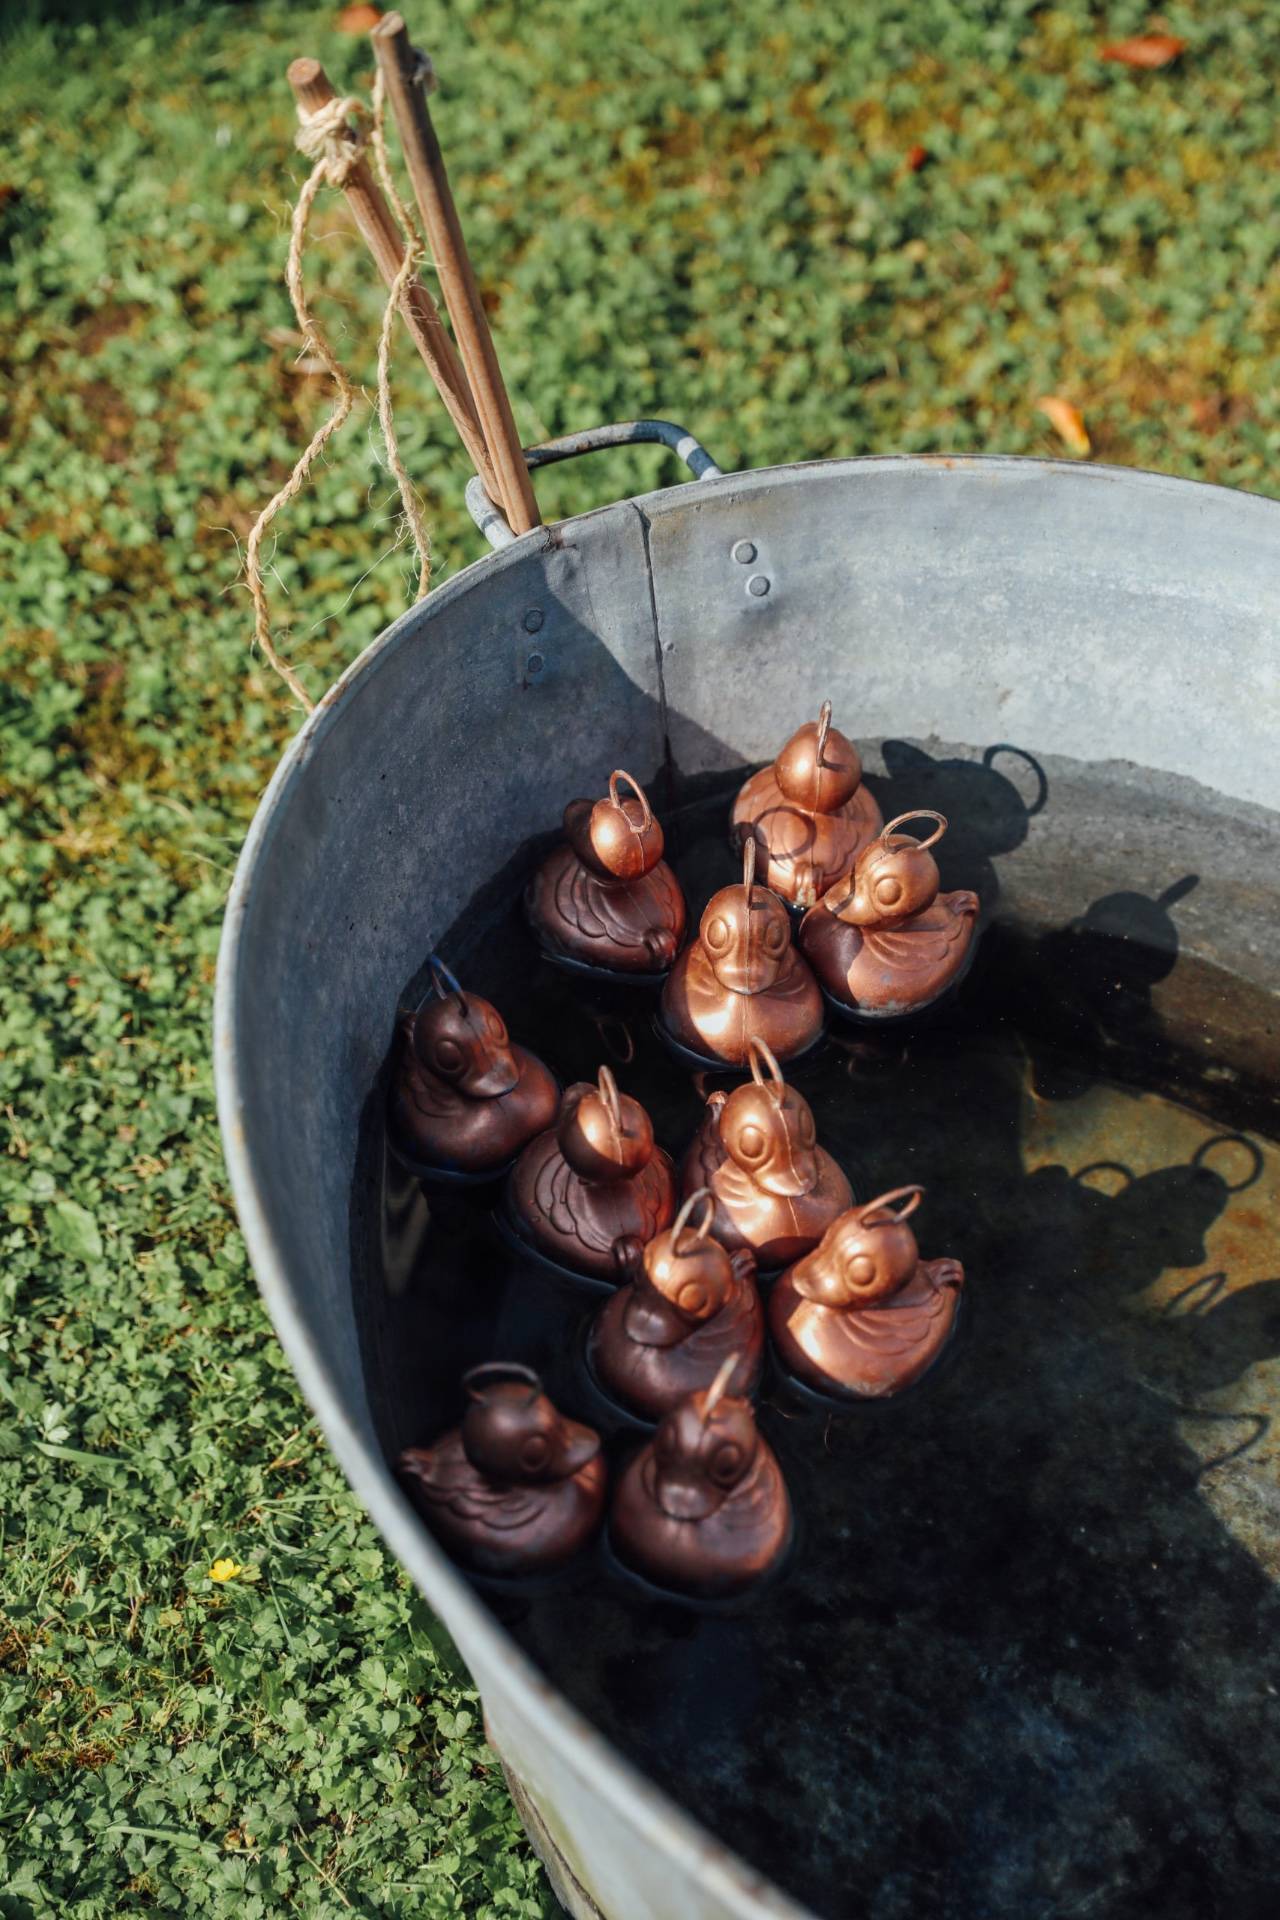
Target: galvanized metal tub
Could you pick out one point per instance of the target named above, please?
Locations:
(1118, 619)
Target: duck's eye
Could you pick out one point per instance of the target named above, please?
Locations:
(776, 938)
(751, 1142)
(860, 1271)
(717, 934)
(807, 1130)
(448, 1056)
(533, 1454)
(498, 1029)
(691, 1297)
(726, 1463)
(888, 890)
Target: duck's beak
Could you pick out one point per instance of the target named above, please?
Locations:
(748, 969)
(493, 1071)
(683, 1496)
(578, 1446)
(791, 1176)
(853, 907)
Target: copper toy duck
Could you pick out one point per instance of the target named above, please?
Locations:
(885, 941)
(742, 979)
(703, 1508)
(465, 1100)
(863, 1316)
(517, 1488)
(594, 1188)
(689, 1308)
(606, 898)
(776, 1190)
(809, 812)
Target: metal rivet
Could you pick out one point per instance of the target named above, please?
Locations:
(535, 663)
(758, 585)
(533, 619)
(744, 553)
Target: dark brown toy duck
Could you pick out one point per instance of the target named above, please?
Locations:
(703, 1508)
(809, 812)
(886, 942)
(863, 1316)
(516, 1489)
(607, 898)
(594, 1188)
(742, 979)
(465, 1100)
(670, 1329)
(776, 1190)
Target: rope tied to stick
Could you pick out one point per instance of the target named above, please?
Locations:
(325, 135)
(327, 138)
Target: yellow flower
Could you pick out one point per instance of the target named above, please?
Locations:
(224, 1570)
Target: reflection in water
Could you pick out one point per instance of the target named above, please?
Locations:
(1024, 1659)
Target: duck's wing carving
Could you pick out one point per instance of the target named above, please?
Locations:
(923, 944)
(652, 1188)
(795, 981)
(734, 1187)
(909, 1319)
(558, 1194)
(705, 1156)
(577, 901)
(622, 916)
(751, 1504)
(444, 1478)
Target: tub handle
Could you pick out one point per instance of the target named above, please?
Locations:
(491, 520)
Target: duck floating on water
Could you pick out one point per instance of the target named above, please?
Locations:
(517, 1488)
(885, 941)
(776, 1190)
(703, 1509)
(863, 1316)
(606, 898)
(809, 812)
(464, 1099)
(590, 1191)
(742, 979)
(669, 1330)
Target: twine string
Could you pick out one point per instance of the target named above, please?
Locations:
(326, 138)
(335, 147)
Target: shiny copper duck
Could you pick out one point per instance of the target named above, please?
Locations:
(776, 1190)
(670, 1329)
(703, 1508)
(885, 941)
(742, 979)
(464, 1099)
(809, 812)
(863, 1316)
(607, 897)
(594, 1188)
(517, 1488)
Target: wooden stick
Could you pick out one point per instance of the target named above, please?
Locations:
(385, 242)
(425, 161)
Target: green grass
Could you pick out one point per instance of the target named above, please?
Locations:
(700, 210)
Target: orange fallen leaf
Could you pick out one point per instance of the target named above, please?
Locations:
(358, 19)
(1067, 422)
(1144, 50)
(917, 157)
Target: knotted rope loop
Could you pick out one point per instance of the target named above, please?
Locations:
(327, 137)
